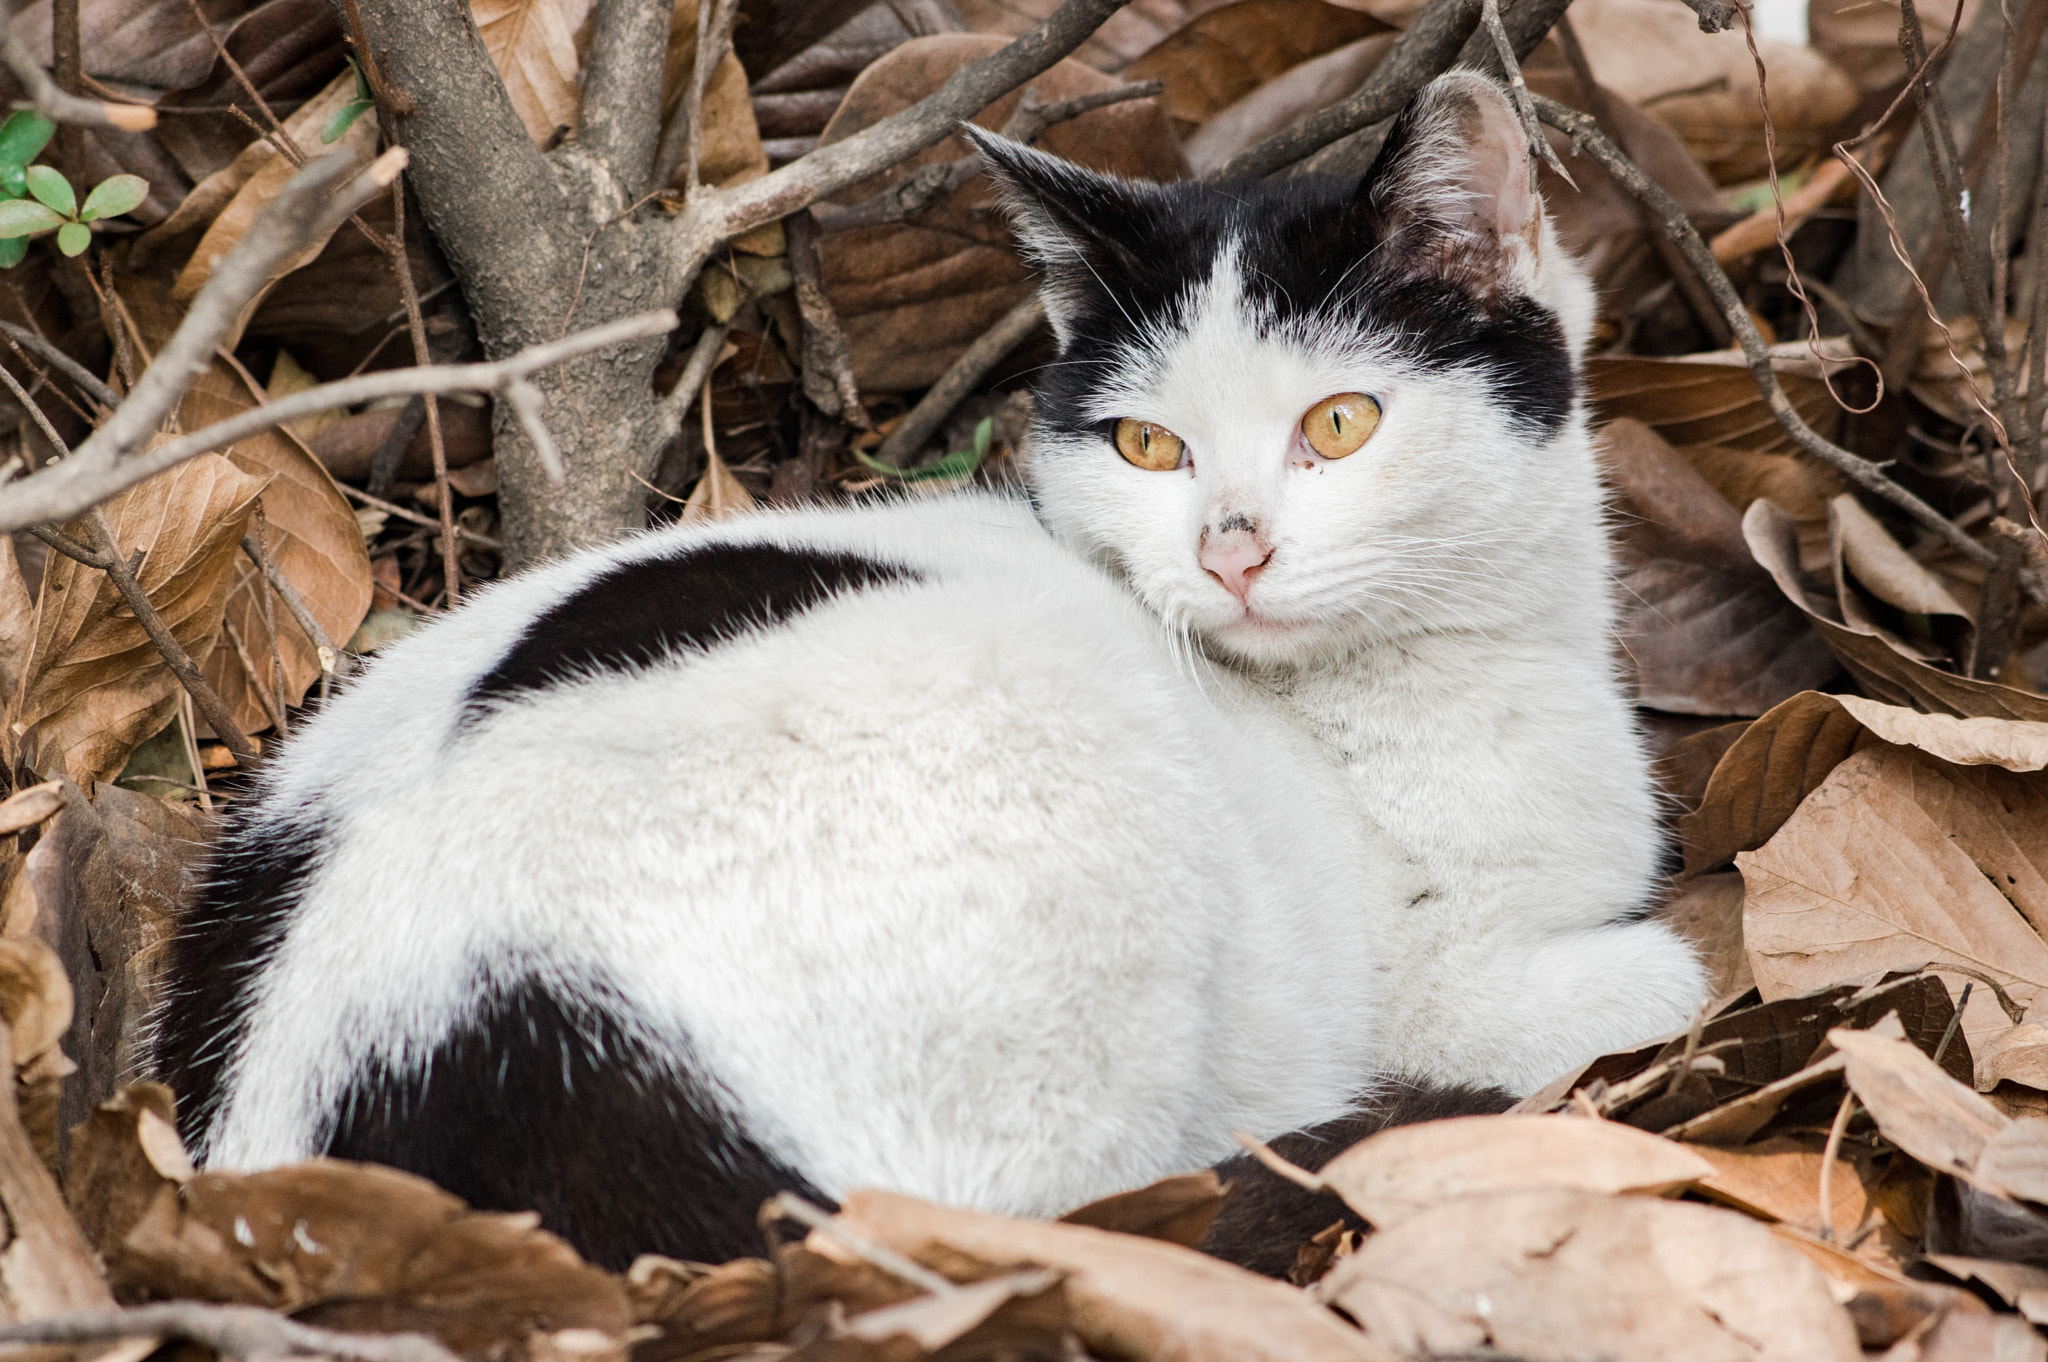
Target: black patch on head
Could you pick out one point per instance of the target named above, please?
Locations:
(224, 940)
(538, 1104)
(640, 612)
(1312, 251)
(1266, 1219)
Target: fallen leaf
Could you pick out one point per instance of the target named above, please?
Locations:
(2009, 1281)
(252, 181)
(717, 494)
(1302, 89)
(27, 807)
(1707, 912)
(935, 1321)
(912, 295)
(311, 535)
(1398, 1173)
(1878, 663)
(1785, 755)
(729, 149)
(1918, 1107)
(112, 1181)
(1899, 861)
(96, 685)
(1779, 1179)
(1708, 630)
(1711, 398)
(535, 44)
(17, 621)
(1179, 1210)
(347, 448)
(1130, 1297)
(342, 1242)
(1559, 1274)
(2019, 1055)
(1134, 28)
(1224, 54)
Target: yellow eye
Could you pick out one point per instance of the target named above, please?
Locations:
(1148, 446)
(1337, 426)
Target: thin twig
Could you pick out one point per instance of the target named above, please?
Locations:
(241, 1332)
(324, 650)
(52, 103)
(1518, 95)
(827, 367)
(412, 517)
(1827, 1166)
(87, 381)
(260, 528)
(70, 486)
(1263, 1155)
(401, 264)
(961, 378)
(1587, 136)
(697, 371)
(252, 676)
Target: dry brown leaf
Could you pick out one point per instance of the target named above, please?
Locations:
(1798, 485)
(1397, 1173)
(288, 376)
(1179, 1210)
(1877, 662)
(1566, 1275)
(912, 295)
(1708, 630)
(1658, 59)
(2016, 1160)
(1707, 911)
(357, 1240)
(96, 686)
(1134, 29)
(1918, 1107)
(2019, 1055)
(535, 44)
(1711, 398)
(347, 448)
(115, 1176)
(1225, 54)
(17, 621)
(717, 495)
(985, 1310)
(27, 807)
(699, 1307)
(1867, 551)
(1130, 1297)
(2010, 1281)
(251, 181)
(1779, 1179)
(729, 149)
(1900, 861)
(1784, 756)
(311, 534)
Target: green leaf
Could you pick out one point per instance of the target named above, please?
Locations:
(961, 463)
(13, 181)
(73, 237)
(22, 136)
(50, 187)
(26, 217)
(113, 196)
(362, 81)
(344, 118)
(12, 250)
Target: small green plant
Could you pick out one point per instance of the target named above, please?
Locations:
(36, 199)
(961, 463)
(347, 114)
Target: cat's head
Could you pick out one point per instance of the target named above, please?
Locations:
(1304, 415)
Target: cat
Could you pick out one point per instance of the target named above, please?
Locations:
(1358, 473)
(807, 851)
(904, 846)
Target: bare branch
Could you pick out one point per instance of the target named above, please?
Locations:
(52, 103)
(929, 184)
(240, 1332)
(713, 216)
(412, 517)
(1518, 94)
(960, 379)
(703, 359)
(88, 382)
(619, 120)
(1586, 135)
(1422, 52)
(827, 358)
(323, 647)
(61, 491)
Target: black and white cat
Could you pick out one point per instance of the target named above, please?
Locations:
(902, 846)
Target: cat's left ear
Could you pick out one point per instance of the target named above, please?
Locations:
(1081, 228)
(1451, 188)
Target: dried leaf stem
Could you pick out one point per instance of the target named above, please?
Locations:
(88, 485)
(240, 1332)
(1586, 135)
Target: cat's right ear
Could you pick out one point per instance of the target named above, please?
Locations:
(1451, 189)
(1079, 227)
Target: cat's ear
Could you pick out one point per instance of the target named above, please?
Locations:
(1080, 228)
(1451, 188)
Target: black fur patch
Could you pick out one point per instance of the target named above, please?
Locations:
(1312, 252)
(640, 612)
(224, 940)
(1266, 1219)
(536, 1105)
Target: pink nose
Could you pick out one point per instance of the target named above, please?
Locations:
(1234, 557)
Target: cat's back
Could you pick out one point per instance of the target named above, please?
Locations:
(901, 827)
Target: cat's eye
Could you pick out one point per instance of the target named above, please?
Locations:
(1337, 426)
(1147, 446)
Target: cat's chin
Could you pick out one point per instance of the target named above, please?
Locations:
(1265, 641)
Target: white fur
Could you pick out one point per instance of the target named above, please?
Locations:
(1437, 612)
(961, 888)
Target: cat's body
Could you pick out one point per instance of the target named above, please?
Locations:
(905, 847)
(1012, 918)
